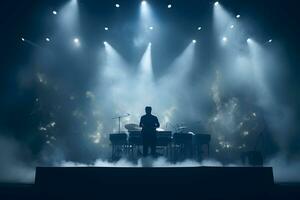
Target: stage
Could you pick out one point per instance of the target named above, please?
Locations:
(158, 183)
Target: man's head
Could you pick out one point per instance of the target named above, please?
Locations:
(148, 110)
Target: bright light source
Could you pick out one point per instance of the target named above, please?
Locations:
(150, 27)
(270, 40)
(216, 3)
(150, 43)
(106, 28)
(144, 2)
(47, 39)
(249, 40)
(199, 28)
(23, 39)
(54, 12)
(232, 26)
(224, 39)
(194, 41)
(76, 42)
(169, 6)
(117, 5)
(238, 16)
(105, 43)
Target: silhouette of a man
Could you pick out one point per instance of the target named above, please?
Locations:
(149, 123)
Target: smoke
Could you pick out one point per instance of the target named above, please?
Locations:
(284, 169)
(13, 164)
(143, 162)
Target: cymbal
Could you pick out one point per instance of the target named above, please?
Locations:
(132, 127)
(182, 127)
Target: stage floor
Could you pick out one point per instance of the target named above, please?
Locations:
(158, 183)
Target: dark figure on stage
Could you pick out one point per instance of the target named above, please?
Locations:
(149, 123)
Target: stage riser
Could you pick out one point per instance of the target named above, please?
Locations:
(215, 181)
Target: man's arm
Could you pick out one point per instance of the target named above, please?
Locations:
(157, 125)
(141, 122)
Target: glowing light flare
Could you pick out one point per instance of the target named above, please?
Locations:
(54, 12)
(106, 28)
(69, 17)
(216, 3)
(115, 65)
(224, 39)
(194, 41)
(221, 19)
(145, 13)
(169, 5)
(47, 39)
(145, 69)
(76, 41)
(117, 5)
(258, 63)
(238, 16)
(186, 59)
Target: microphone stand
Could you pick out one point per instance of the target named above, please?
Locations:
(119, 119)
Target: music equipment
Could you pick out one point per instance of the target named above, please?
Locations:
(118, 138)
(135, 138)
(183, 138)
(133, 127)
(164, 138)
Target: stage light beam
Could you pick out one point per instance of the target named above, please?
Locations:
(194, 41)
(54, 12)
(47, 39)
(76, 41)
(117, 5)
(169, 6)
(106, 28)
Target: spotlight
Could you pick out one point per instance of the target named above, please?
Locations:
(270, 40)
(249, 40)
(23, 39)
(169, 6)
(105, 43)
(194, 41)
(76, 41)
(47, 39)
(117, 5)
(224, 39)
(106, 28)
(144, 2)
(54, 12)
(216, 3)
(199, 28)
(232, 26)
(238, 16)
(150, 43)
(150, 27)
